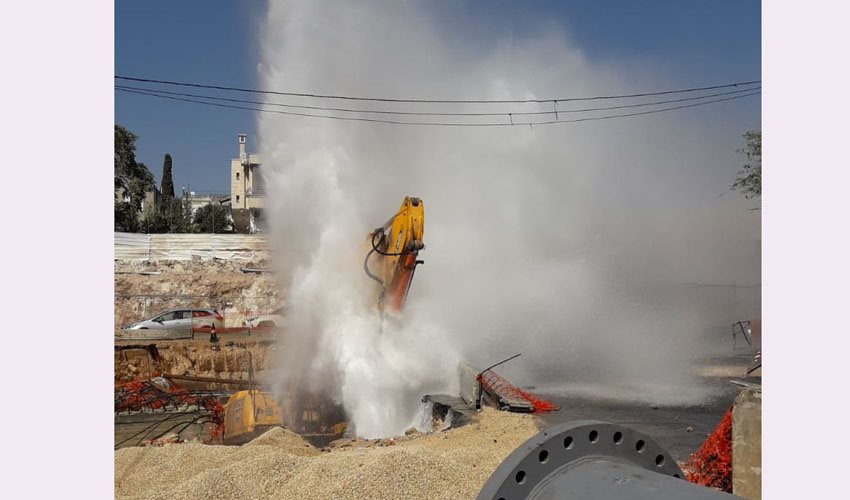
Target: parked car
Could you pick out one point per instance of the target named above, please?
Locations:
(181, 319)
(271, 320)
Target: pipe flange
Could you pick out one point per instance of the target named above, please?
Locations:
(556, 450)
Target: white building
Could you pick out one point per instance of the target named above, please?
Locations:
(247, 190)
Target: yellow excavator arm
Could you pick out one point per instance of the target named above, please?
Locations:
(393, 249)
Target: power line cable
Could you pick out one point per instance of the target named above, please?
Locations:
(446, 124)
(505, 114)
(648, 112)
(433, 101)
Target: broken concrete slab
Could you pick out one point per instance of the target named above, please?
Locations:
(746, 444)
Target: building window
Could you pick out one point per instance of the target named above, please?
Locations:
(237, 176)
(237, 198)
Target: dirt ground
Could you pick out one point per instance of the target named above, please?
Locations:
(279, 464)
(451, 464)
(228, 359)
(216, 284)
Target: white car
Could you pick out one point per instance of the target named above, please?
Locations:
(271, 320)
(180, 319)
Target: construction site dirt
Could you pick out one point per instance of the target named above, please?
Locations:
(226, 359)
(451, 464)
(183, 428)
(144, 288)
(222, 368)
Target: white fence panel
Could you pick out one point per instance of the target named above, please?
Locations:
(247, 247)
(132, 246)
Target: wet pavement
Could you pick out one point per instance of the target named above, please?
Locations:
(668, 424)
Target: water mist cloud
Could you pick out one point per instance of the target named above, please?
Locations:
(559, 242)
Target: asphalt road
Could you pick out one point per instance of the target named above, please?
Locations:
(668, 424)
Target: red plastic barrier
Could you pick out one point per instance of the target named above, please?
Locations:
(493, 382)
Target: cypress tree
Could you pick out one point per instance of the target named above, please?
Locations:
(167, 182)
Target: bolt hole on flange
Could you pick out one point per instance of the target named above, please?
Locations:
(640, 446)
(568, 442)
(543, 456)
(520, 477)
(618, 437)
(593, 436)
(659, 460)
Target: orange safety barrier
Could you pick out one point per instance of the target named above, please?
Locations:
(711, 464)
(493, 382)
(148, 395)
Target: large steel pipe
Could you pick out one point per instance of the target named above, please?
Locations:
(592, 460)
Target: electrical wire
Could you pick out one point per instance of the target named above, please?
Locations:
(672, 108)
(178, 424)
(444, 124)
(432, 101)
(505, 114)
(153, 425)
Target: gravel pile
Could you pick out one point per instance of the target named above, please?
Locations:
(278, 465)
(286, 440)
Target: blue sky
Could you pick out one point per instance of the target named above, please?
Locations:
(689, 42)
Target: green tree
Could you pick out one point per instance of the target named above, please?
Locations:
(125, 217)
(748, 180)
(167, 183)
(125, 150)
(132, 176)
(211, 218)
(178, 214)
(190, 227)
(155, 222)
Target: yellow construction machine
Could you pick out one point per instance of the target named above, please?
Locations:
(391, 261)
(249, 414)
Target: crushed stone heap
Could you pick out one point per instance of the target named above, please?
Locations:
(281, 465)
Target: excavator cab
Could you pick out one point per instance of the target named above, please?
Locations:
(393, 251)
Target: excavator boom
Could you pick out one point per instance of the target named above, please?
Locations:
(393, 251)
